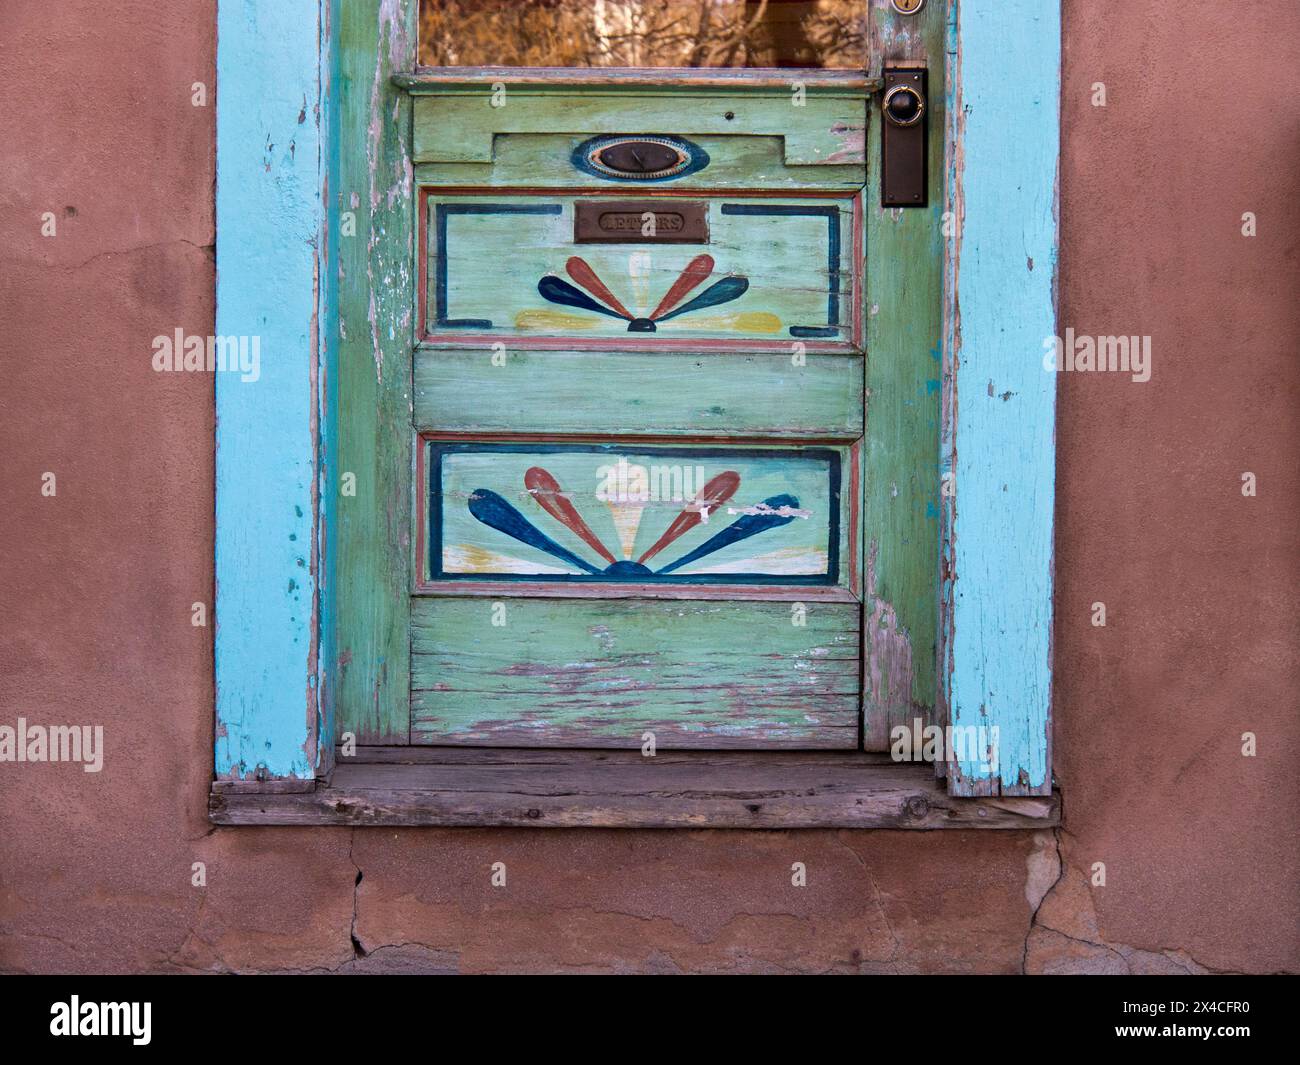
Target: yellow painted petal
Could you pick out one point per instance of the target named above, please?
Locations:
(741, 322)
(470, 558)
(627, 519)
(550, 321)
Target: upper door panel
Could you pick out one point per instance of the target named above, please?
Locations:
(631, 214)
(784, 131)
(776, 269)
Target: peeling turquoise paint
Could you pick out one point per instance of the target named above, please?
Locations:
(1000, 440)
(269, 224)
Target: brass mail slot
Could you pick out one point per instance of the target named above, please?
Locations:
(640, 222)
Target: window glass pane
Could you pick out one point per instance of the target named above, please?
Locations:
(644, 33)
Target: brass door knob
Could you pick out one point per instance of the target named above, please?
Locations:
(904, 106)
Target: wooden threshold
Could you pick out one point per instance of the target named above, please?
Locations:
(432, 786)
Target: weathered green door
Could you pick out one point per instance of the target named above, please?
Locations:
(639, 400)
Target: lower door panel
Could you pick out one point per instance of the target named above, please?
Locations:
(601, 672)
(583, 593)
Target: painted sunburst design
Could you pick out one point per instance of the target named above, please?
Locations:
(598, 298)
(494, 511)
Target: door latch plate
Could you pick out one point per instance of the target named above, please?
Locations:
(904, 161)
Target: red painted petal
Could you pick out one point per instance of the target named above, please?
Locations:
(582, 273)
(697, 270)
(546, 490)
(710, 497)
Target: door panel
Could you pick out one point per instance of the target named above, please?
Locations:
(600, 673)
(659, 393)
(635, 515)
(826, 134)
(736, 162)
(723, 268)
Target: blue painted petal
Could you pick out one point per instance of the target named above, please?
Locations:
(724, 291)
(496, 513)
(741, 529)
(557, 290)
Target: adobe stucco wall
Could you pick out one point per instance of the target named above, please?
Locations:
(1201, 845)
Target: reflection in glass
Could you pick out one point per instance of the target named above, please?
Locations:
(644, 33)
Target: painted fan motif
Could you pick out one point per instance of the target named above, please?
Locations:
(494, 511)
(601, 300)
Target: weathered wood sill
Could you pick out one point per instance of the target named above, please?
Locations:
(621, 789)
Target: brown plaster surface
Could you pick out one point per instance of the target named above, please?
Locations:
(1201, 846)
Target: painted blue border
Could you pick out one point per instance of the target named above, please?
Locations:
(442, 210)
(832, 216)
(438, 448)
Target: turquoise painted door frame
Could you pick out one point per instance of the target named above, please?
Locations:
(273, 97)
(999, 433)
(278, 158)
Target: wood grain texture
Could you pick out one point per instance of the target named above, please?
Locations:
(737, 161)
(1000, 417)
(460, 127)
(904, 337)
(640, 394)
(269, 217)
(600, 673)
(370, 567)
(571, 789)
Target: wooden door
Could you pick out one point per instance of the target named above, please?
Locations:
(638, 394)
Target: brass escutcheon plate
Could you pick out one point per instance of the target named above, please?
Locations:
(640, 222)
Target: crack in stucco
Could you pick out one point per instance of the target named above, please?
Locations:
(879, 899)
(742, 959)
(1045, 947)
(191, 935)
(358, 951)
(1029, 886)
(207, 249)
